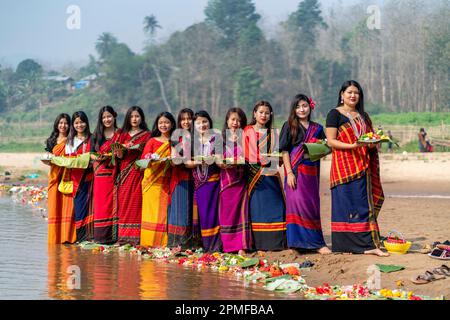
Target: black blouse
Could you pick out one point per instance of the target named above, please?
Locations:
(286, 139)
(335, 119)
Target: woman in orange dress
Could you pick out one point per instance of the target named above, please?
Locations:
(61, 221)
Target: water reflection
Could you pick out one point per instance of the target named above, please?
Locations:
(31, 269)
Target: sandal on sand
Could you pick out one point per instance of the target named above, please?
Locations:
(425, 278)
(444, 270)
(439, 271)
(440, 254)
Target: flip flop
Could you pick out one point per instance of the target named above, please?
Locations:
(439, 254)
(445, 270)
(425, 278)
(439, 271)
(434, 278)
(421, 279)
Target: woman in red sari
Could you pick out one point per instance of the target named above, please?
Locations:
(127, 189)
(79, 143)
(106, 133)
(61, 222)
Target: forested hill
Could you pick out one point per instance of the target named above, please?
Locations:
(399, 52)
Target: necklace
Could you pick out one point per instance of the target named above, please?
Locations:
(135, 131)
(357, 131)
(203, 171)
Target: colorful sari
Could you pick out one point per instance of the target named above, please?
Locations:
(304, 230)
(82, 195)
(61, 221)
(206, 203)
(128, 191)
(235, 229)
(356, 192)
(155, 195)
(267, 205)
(105, 222)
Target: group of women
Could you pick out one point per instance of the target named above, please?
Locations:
(235, 202)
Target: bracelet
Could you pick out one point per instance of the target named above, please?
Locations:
(290, 172)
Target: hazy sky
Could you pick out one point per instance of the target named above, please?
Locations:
(37, 28)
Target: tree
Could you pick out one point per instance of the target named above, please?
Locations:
(28, 69)
(302, 27)
(231, 17)
(306, 20)
(247, 88)
(105, 44)
(3, 97)
(91, 68)
(150, 25)
(121, 69)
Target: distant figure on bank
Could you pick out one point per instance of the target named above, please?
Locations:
(390, 143)
(424, 143)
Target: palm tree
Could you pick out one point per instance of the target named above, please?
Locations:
(105, 43)
(150, 25)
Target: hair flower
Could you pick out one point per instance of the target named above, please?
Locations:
(312, 104)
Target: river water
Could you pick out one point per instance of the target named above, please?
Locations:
(30, 269)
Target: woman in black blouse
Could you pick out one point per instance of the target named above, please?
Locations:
(302, 176)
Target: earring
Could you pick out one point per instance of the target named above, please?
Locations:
(342, 100)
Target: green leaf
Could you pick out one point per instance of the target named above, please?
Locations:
(249, 263)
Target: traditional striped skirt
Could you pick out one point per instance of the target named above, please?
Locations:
(354, 225)
(267, 215)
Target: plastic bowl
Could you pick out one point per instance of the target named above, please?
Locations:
(399, 248)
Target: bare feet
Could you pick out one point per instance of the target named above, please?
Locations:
(377, 252)
(261, 253)
(241, 253)
(324, 251)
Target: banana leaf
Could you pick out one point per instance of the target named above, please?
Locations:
(249, 263)
(79, 162)
(317, 151)
(143, 163)
(283, 285)
(285, 277)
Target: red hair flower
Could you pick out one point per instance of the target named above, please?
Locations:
(312, 104)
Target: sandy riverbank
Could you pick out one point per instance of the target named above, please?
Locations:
(417, 189)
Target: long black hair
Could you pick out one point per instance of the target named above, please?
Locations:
(51, 142)
(294, 122)
(100, 128)
(241, 115)
(165, 114)
(83, 117)
(126, 123)
(180, 115)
